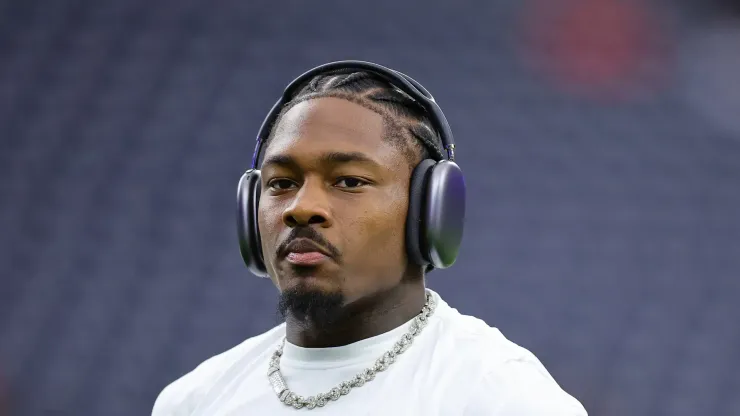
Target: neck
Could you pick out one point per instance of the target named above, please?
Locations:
(363, 318)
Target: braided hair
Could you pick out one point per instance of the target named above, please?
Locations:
(407, 126)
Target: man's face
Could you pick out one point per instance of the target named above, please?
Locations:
(329, 179)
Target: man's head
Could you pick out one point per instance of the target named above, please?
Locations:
(335, 179)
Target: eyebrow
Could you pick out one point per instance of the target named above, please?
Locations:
(330, 158)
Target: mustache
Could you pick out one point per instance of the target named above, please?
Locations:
(309, 234)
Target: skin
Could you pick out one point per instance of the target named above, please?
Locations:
(357, 202)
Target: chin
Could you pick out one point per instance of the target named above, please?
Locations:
(309, 287)
(307, 300)
(307, 279)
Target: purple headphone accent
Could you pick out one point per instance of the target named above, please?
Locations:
(257, 147)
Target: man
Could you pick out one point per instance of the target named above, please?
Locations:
(337, 209)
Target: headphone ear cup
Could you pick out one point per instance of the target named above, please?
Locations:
(415, 220)
(247, 202)
(443, 214)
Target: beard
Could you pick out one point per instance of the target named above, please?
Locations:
(308, 305)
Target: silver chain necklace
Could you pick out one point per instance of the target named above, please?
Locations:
(291, 399)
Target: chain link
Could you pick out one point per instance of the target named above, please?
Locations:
(381, 364)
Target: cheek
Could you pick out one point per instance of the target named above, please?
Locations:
(379, 232)
(269, 218)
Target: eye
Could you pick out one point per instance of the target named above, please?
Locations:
(281, 184)
(350, 183)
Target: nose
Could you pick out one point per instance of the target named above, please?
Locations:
(310, 206)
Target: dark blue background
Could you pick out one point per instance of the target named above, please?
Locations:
(602, 236)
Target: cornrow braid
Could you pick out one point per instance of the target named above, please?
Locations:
(407, 124)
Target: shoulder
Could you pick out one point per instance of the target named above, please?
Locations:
(473, 339)
(184, 394)
(506, 379)
(521, 388)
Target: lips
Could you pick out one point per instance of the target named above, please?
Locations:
(304, 252)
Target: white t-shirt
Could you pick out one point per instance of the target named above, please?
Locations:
(457, 366)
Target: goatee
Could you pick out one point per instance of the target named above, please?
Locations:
(320, 309)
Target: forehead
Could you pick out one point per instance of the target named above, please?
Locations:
(329, 124)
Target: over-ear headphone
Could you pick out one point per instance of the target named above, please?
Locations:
(436, 215)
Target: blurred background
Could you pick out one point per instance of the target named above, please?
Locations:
(600, 141)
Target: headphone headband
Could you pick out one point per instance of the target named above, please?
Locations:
(399, 80)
